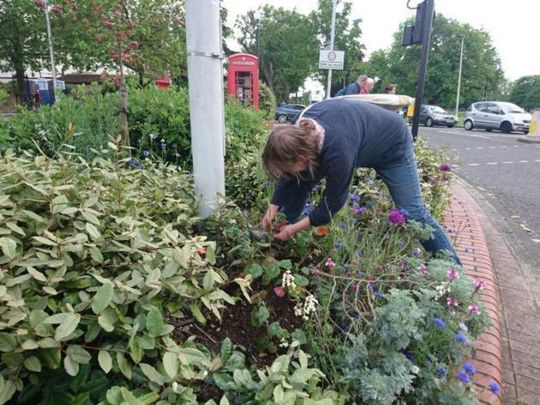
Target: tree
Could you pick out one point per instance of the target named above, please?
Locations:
(482, 75)
(526, 92)
(288, 46)
(347, 37)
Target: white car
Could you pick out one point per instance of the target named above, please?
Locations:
(500, 115)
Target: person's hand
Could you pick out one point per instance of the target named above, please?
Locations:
(269, 219)
(285, 233)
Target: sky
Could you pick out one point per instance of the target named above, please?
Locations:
(511, 24)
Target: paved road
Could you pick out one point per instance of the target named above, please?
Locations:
(507, 174)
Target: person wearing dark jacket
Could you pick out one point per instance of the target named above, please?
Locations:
(330, 140)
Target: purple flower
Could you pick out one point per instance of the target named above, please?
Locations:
(479, 283)
(395, 217)
(359, 210)
(134, 163)
(452, 302)
(453, 274)
(461, 338)
(474, 309)
(445, 167)
(338, 245)
(469, 368)
(463, 377)
(330, 263)
(354, 197)
(146, 153)
(442, 371)
(494, 387)
(439, 323)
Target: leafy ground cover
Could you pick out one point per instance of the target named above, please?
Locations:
(113, 291)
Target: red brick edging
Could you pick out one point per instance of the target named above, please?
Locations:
(465, 230)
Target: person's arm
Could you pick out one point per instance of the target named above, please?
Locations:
(339, 173)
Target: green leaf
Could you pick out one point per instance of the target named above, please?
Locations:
(36, 274)
(259, 315)
(15, 228)
(279, 395)
(196, 311)
(12, 360)
(9, 247)
(105, 360)
(170, 364)
(7, 389)
(7, 342)
(129, 398)
(67, 327)
(123, 365)
(92, 231)
(154, 322)
(209, 280)
(226, 350)
(152, 374)
(103, 297)
(78, 354)
(254, 269)
(32, 363)
(71, 366)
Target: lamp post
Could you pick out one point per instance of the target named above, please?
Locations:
(332, 37)
(459, 75)
(51, 51)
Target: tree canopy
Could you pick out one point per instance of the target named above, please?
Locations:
(526, 92)
(482, 75)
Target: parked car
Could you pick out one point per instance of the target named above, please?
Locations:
(490, 115)
(288, 112)
(434, 115)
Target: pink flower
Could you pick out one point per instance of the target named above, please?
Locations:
(133, 45)
(452, 302)
(422, 268)
(107, 24)
(57, 9)
(40, 3)
(474, 309)
(280, 291)
(330, 263)
(479, 283)
(453, 274)
(396, 217)
(445, 167)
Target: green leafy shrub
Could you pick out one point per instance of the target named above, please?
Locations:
(267, 100)
(95, 258)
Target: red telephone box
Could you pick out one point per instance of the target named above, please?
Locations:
(243, 78)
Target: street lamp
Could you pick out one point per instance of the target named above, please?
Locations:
(459, 75)
(332, 37)
(51, 52)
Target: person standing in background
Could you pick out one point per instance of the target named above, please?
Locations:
(390, 89)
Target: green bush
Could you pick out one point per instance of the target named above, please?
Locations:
(267, 100)
(95, 257)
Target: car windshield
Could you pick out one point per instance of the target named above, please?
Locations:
(512, 108)
(437, 109)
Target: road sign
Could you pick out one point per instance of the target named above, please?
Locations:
(331, 59)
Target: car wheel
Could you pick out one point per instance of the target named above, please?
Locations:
(282, 118)
(450, 126)
(429, 122)
(468, 125)
(506, 127)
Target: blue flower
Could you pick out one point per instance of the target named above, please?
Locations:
(463, 377)
(469, 368)
(146, 153)
(342, 225)
(461, 338)
(163, 145)
(316, 187)
(338, 245)
(344, 326)
(442, 371)
(359, 210)
(134, 163)
(354, 197)
(439, 323)
(494, 387)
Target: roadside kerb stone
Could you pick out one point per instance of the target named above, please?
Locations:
(464, 228)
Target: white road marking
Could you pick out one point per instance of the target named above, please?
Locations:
(473, 164)
(515, 146)
(523, 161)
(507, 163)
(479, 147)
(492, 147)
(492, 163)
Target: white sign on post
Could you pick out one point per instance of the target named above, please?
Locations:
(331, 59)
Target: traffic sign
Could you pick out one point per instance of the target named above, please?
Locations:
(330, 59)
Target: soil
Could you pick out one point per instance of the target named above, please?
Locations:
(236, 324)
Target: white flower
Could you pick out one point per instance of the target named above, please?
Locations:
(415, 369)
(152, 136)
(287, 280)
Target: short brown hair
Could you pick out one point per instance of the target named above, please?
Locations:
(288, 144)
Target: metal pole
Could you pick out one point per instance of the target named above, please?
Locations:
(257, 40)
(205, 80)
(426, 42)
(51, 52)
(459, 76)
(332, 37)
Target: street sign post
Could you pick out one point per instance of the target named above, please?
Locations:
(330, 59)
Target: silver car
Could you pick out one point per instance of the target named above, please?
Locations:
(500, 115)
